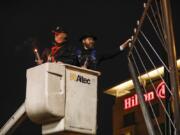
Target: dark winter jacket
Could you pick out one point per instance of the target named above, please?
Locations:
(91, 59)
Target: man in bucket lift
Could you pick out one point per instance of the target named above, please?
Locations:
(60, 51)
(87, 57)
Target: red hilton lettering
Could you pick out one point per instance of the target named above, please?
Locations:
(135, 103)
(149, 96)
(127, 103)
(131, 102)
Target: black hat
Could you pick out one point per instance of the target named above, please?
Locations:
(58, 29)
(86, 36)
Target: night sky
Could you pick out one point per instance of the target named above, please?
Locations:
(111, 21)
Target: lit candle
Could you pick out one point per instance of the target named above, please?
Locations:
(37, 54)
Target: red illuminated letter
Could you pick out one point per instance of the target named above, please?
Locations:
(127, 103)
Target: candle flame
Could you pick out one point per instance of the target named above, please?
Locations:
(35, 50)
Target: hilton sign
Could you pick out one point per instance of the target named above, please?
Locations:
(132, 101)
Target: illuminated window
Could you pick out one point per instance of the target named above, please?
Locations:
(127, 133)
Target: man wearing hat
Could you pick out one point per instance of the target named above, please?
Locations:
(88, 58)
(60, 51)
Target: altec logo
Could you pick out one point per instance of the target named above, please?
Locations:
(132, 101)
(79, 78)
